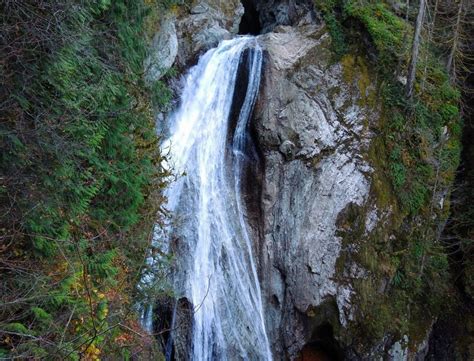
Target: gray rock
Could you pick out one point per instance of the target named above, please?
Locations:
(313, 135)
(182, 38)
(399, 351)
(204, 26)
(164, 49)
(287, 149)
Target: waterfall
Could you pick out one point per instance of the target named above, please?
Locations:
(216, 270)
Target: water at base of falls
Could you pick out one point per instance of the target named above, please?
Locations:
(215, 268)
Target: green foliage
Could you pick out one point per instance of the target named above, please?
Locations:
(328, 10)
(101, 266)
(418, 142)
(412, 130)
(41, 315)
(81, 172)
(17, 327)
(397, 168)
(385, 29)
(337, 35)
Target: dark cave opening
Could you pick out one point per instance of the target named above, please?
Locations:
(250, 23)
(323, 346)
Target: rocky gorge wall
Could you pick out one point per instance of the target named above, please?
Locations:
(314, 137)
(325, 200)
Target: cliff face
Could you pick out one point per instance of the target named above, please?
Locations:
(315, 137)
(327, 216)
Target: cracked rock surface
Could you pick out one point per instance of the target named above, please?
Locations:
(313, 135)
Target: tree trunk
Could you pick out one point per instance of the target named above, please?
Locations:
(452, 54)
(415, 50)
(431, 30)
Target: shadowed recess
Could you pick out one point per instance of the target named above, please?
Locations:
(250, 23)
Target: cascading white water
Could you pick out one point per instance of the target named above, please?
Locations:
(218, 274)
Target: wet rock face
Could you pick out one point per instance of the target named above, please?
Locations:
(314, 135)
(273, 13)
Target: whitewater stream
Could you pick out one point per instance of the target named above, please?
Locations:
(217, 271)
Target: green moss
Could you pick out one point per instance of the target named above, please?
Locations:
(350, 227)
(356, 71)
(337, 35)
(381, 191)
(385, 28)
(378, 319)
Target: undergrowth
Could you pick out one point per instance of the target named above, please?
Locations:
(81, 177)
